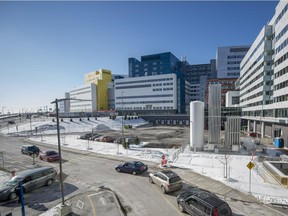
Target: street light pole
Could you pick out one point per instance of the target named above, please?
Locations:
(123, 139)
(59, 152)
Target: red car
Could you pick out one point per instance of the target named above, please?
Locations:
(49, 156)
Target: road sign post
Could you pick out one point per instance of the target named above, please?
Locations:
(250, 166)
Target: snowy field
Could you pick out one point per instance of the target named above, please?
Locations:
(207, 164)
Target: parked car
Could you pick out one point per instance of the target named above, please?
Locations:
(167, 180)
(49, 156)
(30, 150)
(31, 179)
(86, 136)
(197, 201)
(134, 167)
(128, 140)
(106, 139)
(95, 136)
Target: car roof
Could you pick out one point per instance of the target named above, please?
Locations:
(30, 171)
(168, 173)
(207, 196)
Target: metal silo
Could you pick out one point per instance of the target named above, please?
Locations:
(196, 124)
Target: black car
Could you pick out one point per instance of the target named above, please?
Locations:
(30, 150)
(134, 167)
(197, 201)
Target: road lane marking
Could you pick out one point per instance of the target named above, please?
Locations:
(93, 208)
(154, 188)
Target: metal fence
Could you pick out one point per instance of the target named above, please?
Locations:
(180, 150)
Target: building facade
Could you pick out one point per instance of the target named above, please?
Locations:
(228, 60)
(101, 79)
(160, 64)
(148, 94)
(264, 78)
(84, 98)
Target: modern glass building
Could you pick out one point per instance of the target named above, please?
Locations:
(161, 64)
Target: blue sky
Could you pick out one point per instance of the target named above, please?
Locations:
(47, 47)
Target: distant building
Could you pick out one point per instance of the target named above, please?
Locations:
(161, 64)
(232, 99)
(195, 71)
(228, 60)
(101, 79)
(226, 85)
(64, 105)
(148, 94)
(87, 98)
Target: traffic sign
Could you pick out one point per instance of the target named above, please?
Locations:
(250, 165)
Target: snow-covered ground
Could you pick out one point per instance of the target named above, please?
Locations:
(207, 164)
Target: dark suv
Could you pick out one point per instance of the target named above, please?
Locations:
(30, 150)
(201, 202)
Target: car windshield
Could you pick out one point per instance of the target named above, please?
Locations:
(174, 179)
(31, 148)
(13, 181)
(138, 164)
(224, 210)
(49, 153)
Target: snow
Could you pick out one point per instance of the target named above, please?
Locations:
(207, 164)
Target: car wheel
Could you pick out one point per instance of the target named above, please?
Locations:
(118, 170)
(163, 189)
(134, 172)
(12, 196)
(49, 182)
(151, 180)
(40, 158)
(180, 207)
(22, 152)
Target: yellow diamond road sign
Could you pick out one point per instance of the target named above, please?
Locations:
(250, 165)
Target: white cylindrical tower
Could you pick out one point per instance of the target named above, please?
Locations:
(196, 124)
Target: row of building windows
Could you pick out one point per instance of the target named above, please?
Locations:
(145, 102)
(281, 72)
(80, 89)
(253, 52)
(281, 59)
(134, 86)
(281, 14)
(233, 62)
(79, 93)
(250, 75)
(233, 68)
(144, 96)
(251, 66)
(281, 85)
(268, 113)
(250, 84)
(252, 96)
(233, 74)
(164, 89)
(144, 81)
(235, 56)
(149, 108)
(280, 98)
(284, 30)
(281, 46)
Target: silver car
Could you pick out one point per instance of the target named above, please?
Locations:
(31, 179)
(167, 180)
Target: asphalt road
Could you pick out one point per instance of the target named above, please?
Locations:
(88, 171)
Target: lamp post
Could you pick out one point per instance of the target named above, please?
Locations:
(59, 152)
(123, 139)
(63, 209)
